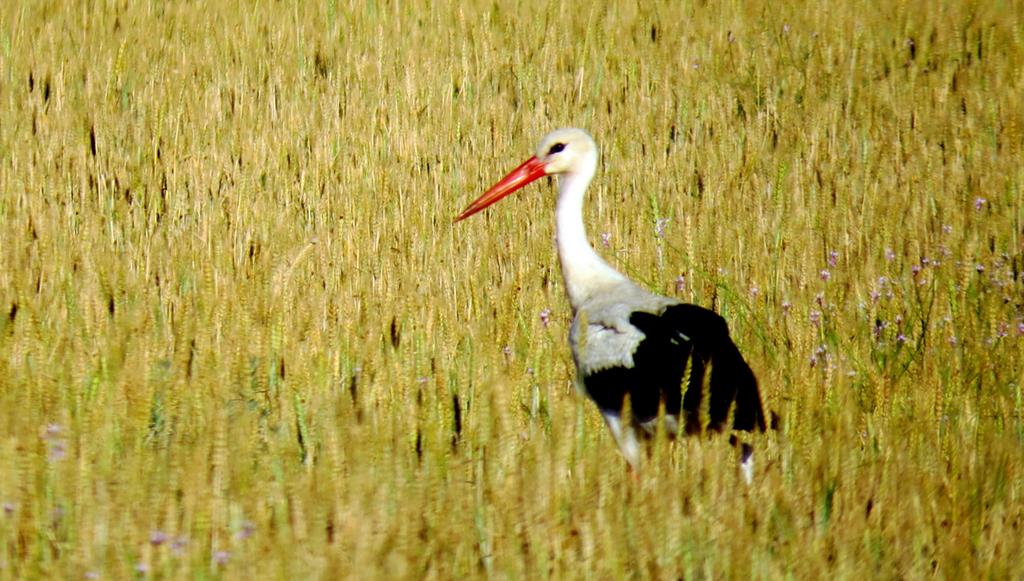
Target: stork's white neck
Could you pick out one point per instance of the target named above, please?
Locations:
(583, 270)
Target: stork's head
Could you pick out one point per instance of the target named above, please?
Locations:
(566, 151)
(563, 152)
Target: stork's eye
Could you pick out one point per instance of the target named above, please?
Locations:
(556, 148)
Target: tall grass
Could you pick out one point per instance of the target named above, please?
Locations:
(240, 337)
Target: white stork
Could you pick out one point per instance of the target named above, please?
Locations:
(627, 341)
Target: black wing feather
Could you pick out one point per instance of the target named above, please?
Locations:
(660, 362)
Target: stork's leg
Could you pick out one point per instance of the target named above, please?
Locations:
(747, 463)
(625, 436)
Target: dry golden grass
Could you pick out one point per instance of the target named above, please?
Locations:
(236, 320)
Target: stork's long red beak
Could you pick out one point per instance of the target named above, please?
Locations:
(529, 171)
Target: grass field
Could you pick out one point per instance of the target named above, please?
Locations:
(241, 338)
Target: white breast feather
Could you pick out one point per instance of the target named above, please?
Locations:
(603, 347)
(602, 336)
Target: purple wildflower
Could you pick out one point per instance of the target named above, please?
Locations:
(979, 203)
(606, 239)
(178, 545)
(880, 326)
(890, 255)
(821, 353)
(659, 227)
(57, 451)
(815, 317)
(221, 557)
(901, 338)
(833, 258)
(825, 275)
(157, 538)
(545, 317)
(248, 529)
(680, 283)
